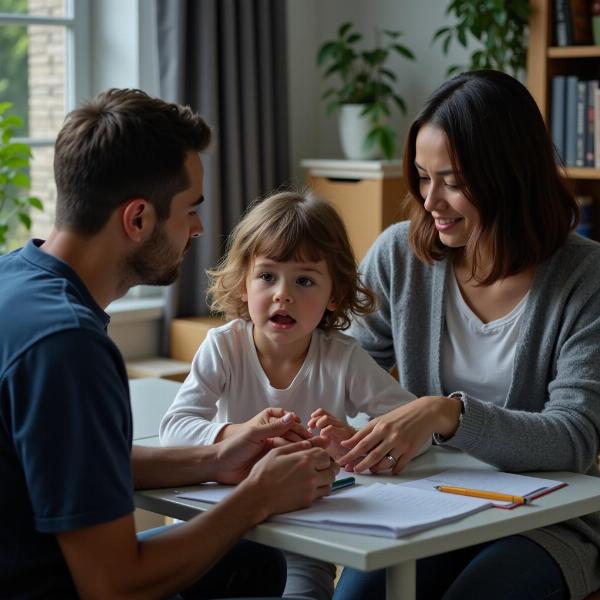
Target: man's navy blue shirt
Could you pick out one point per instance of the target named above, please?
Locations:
(65, 421)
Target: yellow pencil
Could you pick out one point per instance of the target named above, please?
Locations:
(481, 494)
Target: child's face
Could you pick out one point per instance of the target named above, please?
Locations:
(286, 300)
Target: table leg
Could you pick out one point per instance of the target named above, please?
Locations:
(401, 582)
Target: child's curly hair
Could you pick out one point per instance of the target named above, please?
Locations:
(287, 226)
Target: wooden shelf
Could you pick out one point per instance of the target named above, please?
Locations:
(545, 61)
(582, 173)
(574, 52)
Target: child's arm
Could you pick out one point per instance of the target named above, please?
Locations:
(189, 418)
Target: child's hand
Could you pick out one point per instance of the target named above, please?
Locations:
(296, 434)
(333, 429)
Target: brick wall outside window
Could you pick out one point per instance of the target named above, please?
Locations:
(46, 105)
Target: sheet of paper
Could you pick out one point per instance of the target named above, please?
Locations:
(491, 481)
(387, 510)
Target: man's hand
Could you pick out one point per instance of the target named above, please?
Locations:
(269, 415)
(290, 478)
(333, 429)
(237, 455)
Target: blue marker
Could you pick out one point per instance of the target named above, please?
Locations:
(338, 484)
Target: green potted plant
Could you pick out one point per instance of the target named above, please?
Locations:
(15, 202)
(500, 27)
(364, 93)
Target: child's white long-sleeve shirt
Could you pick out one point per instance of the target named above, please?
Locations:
(227, 384)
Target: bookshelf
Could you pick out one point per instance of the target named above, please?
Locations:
(544, 61)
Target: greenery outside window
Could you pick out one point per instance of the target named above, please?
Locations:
(43, 73)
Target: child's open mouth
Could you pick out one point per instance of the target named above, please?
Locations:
(282, 320)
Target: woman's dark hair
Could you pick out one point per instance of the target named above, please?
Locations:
(123, 144)
(505, 163)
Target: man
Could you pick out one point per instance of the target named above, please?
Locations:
(129, 182)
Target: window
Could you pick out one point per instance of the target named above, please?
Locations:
(43, 67)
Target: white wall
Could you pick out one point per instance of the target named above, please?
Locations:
(311, 22)
(124, 54)
(123, 45)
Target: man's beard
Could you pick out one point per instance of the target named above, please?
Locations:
(157, 262)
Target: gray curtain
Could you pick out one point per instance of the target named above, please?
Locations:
(227, 60)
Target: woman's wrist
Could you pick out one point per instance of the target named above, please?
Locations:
(449, 413)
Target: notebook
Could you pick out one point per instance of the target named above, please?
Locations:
(491, 481)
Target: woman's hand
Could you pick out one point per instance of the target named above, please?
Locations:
(400, 434)
(333, 429)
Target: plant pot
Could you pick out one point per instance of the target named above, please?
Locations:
(354, 129)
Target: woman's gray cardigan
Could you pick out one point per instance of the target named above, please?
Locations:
(551, 419)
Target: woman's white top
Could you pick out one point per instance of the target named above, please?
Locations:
(477, 357)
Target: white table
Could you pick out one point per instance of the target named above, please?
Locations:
(580, 497)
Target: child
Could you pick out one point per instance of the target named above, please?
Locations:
(290, 283)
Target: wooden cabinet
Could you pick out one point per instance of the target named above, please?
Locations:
(368, 195)
(544, 61)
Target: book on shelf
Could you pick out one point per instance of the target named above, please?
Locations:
(572, 22)
(557, 115)
(590, 122)
(580, 124)
(575, 120)
(597, 128)
(571, 121)
(586, 215)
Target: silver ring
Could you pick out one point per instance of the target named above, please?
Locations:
(391, 459)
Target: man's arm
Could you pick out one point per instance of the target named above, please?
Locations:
(169, 467)
(107, 561)
(228, 461)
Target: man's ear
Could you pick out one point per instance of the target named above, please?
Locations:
(138, 219)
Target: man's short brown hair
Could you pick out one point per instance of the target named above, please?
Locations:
(123, 144)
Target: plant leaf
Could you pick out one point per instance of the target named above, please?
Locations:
(326, 52)
(439, 33)
(25, 219)
(35, 202)
(344, 28)
(20, 179)
(404, 51)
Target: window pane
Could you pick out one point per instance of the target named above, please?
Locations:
(39, 8)
(14, 71)
(32, 76)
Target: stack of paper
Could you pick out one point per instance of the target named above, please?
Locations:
(397, 509)
(386, 510)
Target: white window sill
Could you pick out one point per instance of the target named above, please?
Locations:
(131, 310)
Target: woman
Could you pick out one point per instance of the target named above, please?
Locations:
(489, 292)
